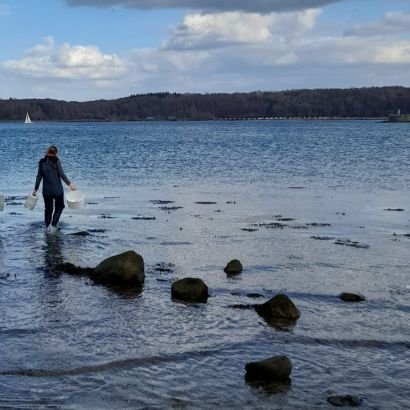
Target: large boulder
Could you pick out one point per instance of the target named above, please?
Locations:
(234, 267)
(279, 311)
(274, 368)
(190, 290)
(124, 269)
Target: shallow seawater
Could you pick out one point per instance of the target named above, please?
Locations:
(68, 343)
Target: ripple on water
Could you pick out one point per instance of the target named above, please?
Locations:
(68, 343)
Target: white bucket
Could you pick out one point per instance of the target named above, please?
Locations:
(31, 201)
(1, 201)
(75, 199)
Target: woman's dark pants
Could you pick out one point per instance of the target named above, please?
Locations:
(54, 206)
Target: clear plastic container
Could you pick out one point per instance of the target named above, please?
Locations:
(31, 201)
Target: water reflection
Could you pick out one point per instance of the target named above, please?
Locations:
(53, 255)
(269, 387)
(3, 275)
(1, 255)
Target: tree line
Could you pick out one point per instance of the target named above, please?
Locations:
(375, 102)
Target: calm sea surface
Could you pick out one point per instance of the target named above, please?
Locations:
(68, 343)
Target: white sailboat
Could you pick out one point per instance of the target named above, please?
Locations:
(27, 120)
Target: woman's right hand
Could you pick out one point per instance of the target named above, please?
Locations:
(72, 187)
(34, 193)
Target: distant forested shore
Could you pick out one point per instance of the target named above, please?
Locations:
(375, 102)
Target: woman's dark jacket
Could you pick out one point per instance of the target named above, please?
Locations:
(51, 172)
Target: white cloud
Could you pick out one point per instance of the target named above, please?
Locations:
(354, 51)
(231, 28)
(262, 6)
(218, 52)
(67, 62)
(397, 53)
(392, 23)
(213, 30)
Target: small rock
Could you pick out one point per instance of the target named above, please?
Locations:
(273, 368)
(190, 290)
(233, 267)
(351, 297)
(279, 311)
(344, 400)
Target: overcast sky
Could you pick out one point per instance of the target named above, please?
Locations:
(92, 49)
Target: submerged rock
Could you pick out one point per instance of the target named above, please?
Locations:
(348, 242)
(273, 368)
(106, 216)
(271, 225)
(351, 297)
(323, 238)
(190, 290)
(80, 233)
(97, 230)
(318, 224)
(126, 268)
(170, 208)
(279, 311)
(254, 295)
(242, 306)
(233, 267)
(164, 267)
(344, 400)
(161, 202)
(73, 269)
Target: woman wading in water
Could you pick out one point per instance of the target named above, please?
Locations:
(51, 172)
